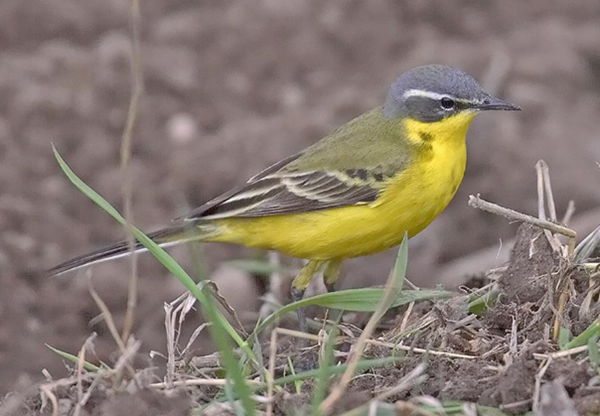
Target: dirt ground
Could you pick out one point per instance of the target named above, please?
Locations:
(232, 86)
(503, 357)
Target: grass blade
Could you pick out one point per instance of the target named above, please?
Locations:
(582, 339)
(586, 247)
(356, 300)
(480, 305)
(593, 352)
(73, 358)
(564, 335)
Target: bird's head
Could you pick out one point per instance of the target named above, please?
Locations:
(433, 93)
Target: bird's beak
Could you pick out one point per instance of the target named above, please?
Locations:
(493, 103)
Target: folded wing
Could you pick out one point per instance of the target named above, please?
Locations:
(279, 191)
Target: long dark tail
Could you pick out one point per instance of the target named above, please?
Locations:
(165, 237)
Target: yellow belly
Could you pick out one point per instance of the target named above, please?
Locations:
(410, 202)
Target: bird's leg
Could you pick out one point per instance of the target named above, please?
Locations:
(299, 285)
(331, 274)
(330, 277)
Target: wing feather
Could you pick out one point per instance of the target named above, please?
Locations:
(291, 192)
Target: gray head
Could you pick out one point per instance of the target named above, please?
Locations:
(434, 92)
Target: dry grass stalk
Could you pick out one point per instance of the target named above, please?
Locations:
(406, 317)
(49, 395)
(417, 350)
(220, 382)
(271, 372)
(126, 144)
(124, 361)
(81, 398)
(545, 197)
(538, 384)
(566, 219)
(175, 314)
(47, 392)
(477, 202)
(108, 318)
(171, 342)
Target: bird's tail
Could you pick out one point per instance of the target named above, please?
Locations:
(164, 238)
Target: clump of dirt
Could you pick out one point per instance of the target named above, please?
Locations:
(527, 287)
(516, 386)
(144, 403)
(573, 376)
(290, 403)
(448, 378)
(103, 400)
(531, 261)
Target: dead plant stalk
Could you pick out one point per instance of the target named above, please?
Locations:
(477, 202)
(126, 144)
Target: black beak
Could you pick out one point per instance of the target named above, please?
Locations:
(493, 103)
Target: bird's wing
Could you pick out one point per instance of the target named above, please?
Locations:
(282, 190)
(348, 167)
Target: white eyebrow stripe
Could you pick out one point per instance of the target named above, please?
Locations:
(427, 94)
(436, 96)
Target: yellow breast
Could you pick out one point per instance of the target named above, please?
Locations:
(409, 203)
(420, 193)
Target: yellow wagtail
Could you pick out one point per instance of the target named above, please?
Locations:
(355, 192)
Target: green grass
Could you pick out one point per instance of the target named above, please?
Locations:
(593, 330)
(73, 358)
(356, 300)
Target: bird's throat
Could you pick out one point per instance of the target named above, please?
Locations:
(447, 132)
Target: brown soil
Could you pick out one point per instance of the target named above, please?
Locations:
(101, 403)
(233, 86)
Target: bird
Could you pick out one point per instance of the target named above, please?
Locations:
(388, 172)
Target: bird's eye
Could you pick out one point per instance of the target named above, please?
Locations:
(447, 103)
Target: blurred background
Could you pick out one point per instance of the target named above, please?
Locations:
(233, 86)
